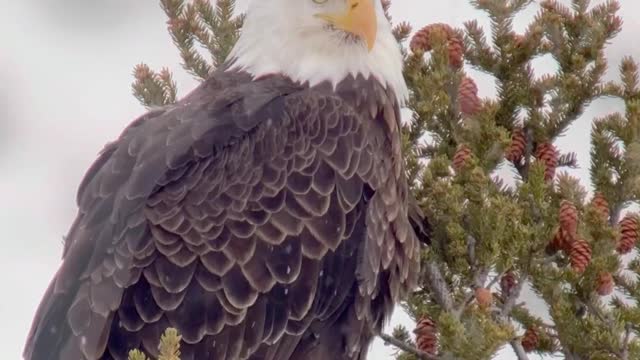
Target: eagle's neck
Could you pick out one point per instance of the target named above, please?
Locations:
(315, 58)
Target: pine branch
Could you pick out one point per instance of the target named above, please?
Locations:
(568, 160)
(406, 347)
(170, 345)
(137, 355)
(438, 286)
(153, 89)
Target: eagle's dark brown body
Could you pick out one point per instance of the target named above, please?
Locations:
(262, 219)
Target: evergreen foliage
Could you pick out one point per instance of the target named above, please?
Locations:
(169, 347)
(543, 230)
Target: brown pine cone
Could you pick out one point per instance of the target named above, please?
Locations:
(530, 339)
(600, 203)
(460, 158)
(561, 241)
(548, 154)
(456, 51)
(629, 234)
(507, 284)
(568, 216)
(605, 284)
(483, 297)
(422, 42)
(426, 335)
(468, 97)
(516, 149)
(580, 255)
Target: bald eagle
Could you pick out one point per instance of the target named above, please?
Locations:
(264, 216)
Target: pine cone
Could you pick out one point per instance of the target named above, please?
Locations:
(516, 149)
(483, 297)
(530, 339)
(562, 240)
(422, 41)
(468, 97)
(600, 203)
(456, 51)
(568, 217)
(580, 255)
(460, 158)
(547, 153)
(507, 284)
(629, 234)
(604, 284)
(426, 335)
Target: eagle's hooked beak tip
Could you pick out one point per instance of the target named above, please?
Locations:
(359, 19)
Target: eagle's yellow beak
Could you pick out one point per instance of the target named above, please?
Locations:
(359, 19)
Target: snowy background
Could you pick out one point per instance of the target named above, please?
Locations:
(65, 74)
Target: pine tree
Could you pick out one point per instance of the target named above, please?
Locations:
(494, 236)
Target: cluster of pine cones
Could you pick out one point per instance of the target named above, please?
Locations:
(545, 152)
(566, 238)
(468, 100)
(422, 41)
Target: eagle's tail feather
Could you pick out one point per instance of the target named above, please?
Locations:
(49, 326)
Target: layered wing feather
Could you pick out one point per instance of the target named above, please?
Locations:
(250, 219)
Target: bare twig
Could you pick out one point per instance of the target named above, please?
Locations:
(497, 278)
(524, 171)
(438, 286)
(406, 347)
(471, 250)
(615, 213)
(625, 342)
(519, 350)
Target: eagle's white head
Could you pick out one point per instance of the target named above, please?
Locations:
(319, 40)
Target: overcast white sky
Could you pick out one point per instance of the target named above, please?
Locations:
(65, 74)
